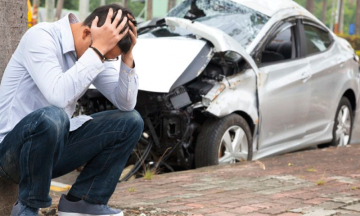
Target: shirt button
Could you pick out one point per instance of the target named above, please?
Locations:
(98, 70)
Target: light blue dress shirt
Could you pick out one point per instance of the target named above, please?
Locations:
(45, 71)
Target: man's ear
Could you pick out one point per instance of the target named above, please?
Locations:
(86, 33)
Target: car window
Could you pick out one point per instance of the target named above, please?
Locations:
(281, 47)
(238, 21)
(317, 40)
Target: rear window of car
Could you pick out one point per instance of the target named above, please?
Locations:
(317, 40)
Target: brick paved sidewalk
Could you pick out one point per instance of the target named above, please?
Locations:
(315, 182)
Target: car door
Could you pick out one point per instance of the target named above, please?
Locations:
(326, 62)
(284, 90)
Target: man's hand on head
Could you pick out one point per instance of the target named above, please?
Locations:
(128, 58)
(108, 35)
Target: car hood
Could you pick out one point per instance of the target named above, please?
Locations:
(161, 61)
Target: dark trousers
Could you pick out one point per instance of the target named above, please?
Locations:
(40, 148)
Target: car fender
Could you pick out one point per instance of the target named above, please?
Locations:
(235, 93)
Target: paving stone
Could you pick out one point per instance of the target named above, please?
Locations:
(283, 189)
(244, 209)
(222, 213)
(354, 207)
(206, 210)
(256, 214)
(330, 205)
(289, 214)
(305, 210)
(186, 196)
(247, 190)
(347, 200)
(321, 212)
(347, 213)
(344, 179)
(316, 201)
(275, 210)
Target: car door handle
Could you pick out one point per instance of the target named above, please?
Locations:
(341, 62)
(305, 75)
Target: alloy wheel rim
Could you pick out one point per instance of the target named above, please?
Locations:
(233, 146)
(343, 128)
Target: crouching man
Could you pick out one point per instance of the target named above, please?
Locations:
(52, 67)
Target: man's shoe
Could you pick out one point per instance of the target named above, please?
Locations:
(20, 209)
(82, 208)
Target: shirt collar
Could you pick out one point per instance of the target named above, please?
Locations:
(67, 38)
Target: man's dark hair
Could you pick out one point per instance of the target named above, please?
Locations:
(125, 43)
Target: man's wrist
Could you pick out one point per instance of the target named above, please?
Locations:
(100, 48)
(101, 56)
(128, 59)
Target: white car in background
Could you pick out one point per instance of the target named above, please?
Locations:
(223, 81)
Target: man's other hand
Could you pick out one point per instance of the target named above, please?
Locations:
(108, 35)
(128, 57)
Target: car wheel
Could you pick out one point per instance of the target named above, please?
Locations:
(223, 141)
(343, 124)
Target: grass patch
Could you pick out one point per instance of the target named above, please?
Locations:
(149, 173)
(320, 182)
(312, 169)
(131, 189)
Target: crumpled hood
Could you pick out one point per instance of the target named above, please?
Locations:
(161, 61)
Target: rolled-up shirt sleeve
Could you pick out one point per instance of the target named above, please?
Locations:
(59, 87)
(120, 87)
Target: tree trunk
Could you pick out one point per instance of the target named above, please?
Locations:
(149, 9)
(13, 16)
(35, 6)
(357, 18)
(310, 5)
(341, 17)
(83, 9)
(59, 8)
(8, 196)
(50, 5)
(126, 3)
(324, 10)
(171, 4)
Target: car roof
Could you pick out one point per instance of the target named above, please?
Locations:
(271, 7)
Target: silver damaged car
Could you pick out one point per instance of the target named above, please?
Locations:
(223, 81)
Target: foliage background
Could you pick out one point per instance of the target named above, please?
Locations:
(349, 11)
(135, 7)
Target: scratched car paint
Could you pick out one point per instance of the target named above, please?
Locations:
(223, 81)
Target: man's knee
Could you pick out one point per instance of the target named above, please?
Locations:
(51, 118)
(136, 122)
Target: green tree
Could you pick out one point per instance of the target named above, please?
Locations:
(349, 11)
(135, 7)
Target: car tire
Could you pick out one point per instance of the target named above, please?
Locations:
(211, 147)
(343, 123)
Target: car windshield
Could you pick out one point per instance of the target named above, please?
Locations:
(238, 21)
